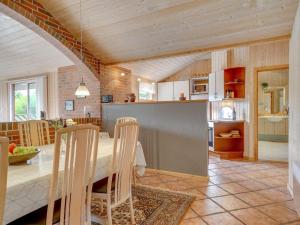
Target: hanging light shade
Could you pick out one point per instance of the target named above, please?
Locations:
(82, 91)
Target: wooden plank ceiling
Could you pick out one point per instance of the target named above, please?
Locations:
(121, 31)
(159, 69)
(23, 52)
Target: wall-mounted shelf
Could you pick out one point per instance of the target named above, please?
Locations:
(234, 83)
(234, 80)
(229, 137)
(228, 147)
(231, 79)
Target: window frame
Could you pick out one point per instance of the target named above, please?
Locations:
(153, 94)
(12, 84)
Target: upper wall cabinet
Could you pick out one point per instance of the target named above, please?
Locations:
(227, 84)
(165, 91)
(170, 91)
(216, 86)
(181, 86)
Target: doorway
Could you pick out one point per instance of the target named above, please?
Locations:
(272, 113)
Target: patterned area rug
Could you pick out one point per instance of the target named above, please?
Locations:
(152, 207)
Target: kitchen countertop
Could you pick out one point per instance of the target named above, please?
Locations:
(154, 102)
(227, 121)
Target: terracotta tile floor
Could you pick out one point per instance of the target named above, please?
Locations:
(236, 192)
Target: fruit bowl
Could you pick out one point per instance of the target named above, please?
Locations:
(21, 158)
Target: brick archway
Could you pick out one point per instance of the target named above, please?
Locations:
(34, 16)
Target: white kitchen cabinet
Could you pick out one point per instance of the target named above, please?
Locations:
(170, 91)
(212, 95)
(216, 86)
(181, 86)
(165, 91)
(220, 84)
(199, 97)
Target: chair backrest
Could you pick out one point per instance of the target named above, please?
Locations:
(125, 140)
(3, 174)
(77, 179)
(34, 133)
(126, 119)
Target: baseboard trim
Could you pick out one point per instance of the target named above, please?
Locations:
(178, 174)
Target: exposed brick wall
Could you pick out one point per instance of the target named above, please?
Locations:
(10, 129)
(200, 68)
(69, 78)
(35, 12)
(112, 83)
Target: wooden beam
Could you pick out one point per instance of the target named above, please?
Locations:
(209, 49)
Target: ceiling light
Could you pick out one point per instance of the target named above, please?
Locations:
(82, 91)
(153, 83)
(139, 79)
(122, 74)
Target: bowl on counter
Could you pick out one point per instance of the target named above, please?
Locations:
(22, 158)
(225, 135)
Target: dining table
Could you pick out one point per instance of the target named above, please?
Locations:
(29, 183)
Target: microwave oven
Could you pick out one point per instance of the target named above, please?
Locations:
(200, 89)
(200, 85)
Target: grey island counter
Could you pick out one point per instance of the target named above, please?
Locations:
(174, 135)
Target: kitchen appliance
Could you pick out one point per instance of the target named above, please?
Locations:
(106, 98)
(199, 85)
(211, 136)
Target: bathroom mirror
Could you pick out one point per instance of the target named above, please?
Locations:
(274, 100)
(273, 92)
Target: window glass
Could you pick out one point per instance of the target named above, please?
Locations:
(146, 91)
(25, 101)
(21, 101)
(227, 113)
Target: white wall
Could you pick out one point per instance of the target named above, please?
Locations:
(294, 129)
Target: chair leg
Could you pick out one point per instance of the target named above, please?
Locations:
(109, 217)
(134, 176)
(101, 205)
(131, 209)
(109, 211)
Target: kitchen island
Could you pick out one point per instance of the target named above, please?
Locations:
(174, 135)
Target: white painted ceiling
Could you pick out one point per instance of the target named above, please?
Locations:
(23, 52)
(158, 69)
(120, 31)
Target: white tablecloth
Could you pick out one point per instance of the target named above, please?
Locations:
(28, 185)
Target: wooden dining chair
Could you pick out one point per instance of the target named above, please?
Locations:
(34, 133)
(123, 120)
(3, 174)
(117, 190)
(79, 169)
(126, 119)
(73, 178)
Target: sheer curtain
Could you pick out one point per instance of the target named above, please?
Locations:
(4, 106)
(53, 100)
(41, 90)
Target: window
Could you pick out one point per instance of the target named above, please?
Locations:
(227, 113)
(24, 101)
(27, 98)
(146, 91)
